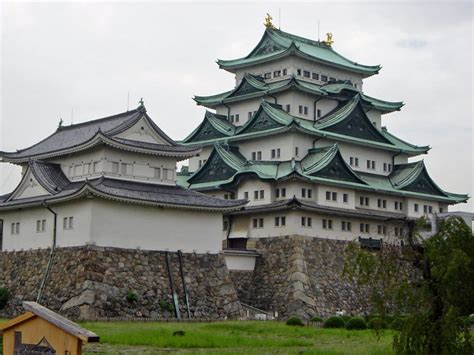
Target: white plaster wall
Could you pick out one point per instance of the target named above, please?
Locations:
(143, 132)
(252, 185)
(286, 142)
(375, 116)
(203, 155)
(30, 187)
(74, 168)
(29, 238)
(242, 108)
(411, 207)
(132, 226)
(321, 196)
(363, 153)
(373, 201)
(240, 262)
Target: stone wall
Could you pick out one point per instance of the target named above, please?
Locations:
(91, 282)
(302, 276)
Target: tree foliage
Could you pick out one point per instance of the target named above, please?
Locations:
(430, 283)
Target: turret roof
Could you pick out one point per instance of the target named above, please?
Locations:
(81, 136)
(253, 86)
(226, 166)
(343, 124)
(276, 44)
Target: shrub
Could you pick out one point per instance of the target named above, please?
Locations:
(131, 296)
(377, 323)
(166, 306)
(345, 318)
(397, 323)
(317, 319)
(334, 322)
(356, 323)
(295, 321)
(4, 295)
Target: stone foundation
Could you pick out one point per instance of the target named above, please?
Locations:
(302, 276)
(91, 282)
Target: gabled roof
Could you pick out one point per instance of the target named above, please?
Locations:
(276, 44)
(259, 88)
(115, 189)
(226, 166)
(212, 126)
(77, 137)
(272, 119)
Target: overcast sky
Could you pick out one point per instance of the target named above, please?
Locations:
(56, 57)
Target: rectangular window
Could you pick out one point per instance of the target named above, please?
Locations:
(310, 193)
(430, 209)
(441, 210)
(343, 225)
(362, 227)
(318, 111)
(254, 155)
(168, 174)
(262, 193)
(68, 222)
(157, 171)
(385, 167)
(300, 109)
(356, 161)
(345, 198)
(373, 164)
(267, 75)
(250, 115)
(296, 151)
(277, 193)
(367, 228)
(349, 226)
(366, 201)
(396, 205)
(379, 203)
(325, 224)
(389, 167)
(298, 71)
(260, 223)
(41, 225)
(303, 222)
(278, 152)
(285, 71)
(288, 107)
(328, 195)
(309, 222)
(255, 195)
(71, 222)
(280, 221)
(259, 155)
(255, 223)
(306, 74)
(246, 195)
(351, 161)
(379, 229)
(95, 167)
(361, 200)
(115, 168)
(273, 153)
(283, 220)
(87, 168)
(368, 164)
(277, 221)
(306, 110)
(283, 192)
(401, 206)
(324, 78)
(124, 169)
(277, 73)
(415, 207)
(237, 116)
(303, 192)
(315, 76)
(384, 203)
(334, 196)
(425, 209)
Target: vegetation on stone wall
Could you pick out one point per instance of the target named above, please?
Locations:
(4, 295)
(434, 301)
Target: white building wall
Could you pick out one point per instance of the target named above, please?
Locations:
(240, 262)
(252, 185)
(339, 203)
(196, 161)
(80, 166)
(375, 116)
(132, 226)
(435, 206)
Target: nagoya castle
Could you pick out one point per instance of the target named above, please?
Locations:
(300, 140)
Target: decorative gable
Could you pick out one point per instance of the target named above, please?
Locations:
(215, 169)
(244, 88)
(142, 131)
(260, 122)
(337, 169)
(357, 124)
(29, 187)
(205, 132)
(266, 46)
(424, 184)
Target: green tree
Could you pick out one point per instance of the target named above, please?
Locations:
(429, 282)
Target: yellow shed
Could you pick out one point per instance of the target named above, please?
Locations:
(42, 331)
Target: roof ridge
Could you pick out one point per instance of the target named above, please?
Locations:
(98, 120)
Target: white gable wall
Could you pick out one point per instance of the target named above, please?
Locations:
(30, 187)
(143, 132)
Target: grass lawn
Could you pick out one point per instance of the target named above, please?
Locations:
(232, 337)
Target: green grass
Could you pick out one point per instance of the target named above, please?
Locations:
(244, 337)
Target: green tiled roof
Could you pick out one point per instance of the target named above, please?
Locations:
(261, 89)
(323, 165)
(212, 126)
(278, 121)
(276, 44)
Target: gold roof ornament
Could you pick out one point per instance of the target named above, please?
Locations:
(328, 41)
(268, 21)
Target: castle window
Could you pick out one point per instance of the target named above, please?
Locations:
(415, 207)
(288, 107)
(430, 209)
(254, 155)
(276, 73)
(15, 228)
(345, 198)
(373, 164)
(283, 192)
(364, 201)
(157, 171)
(87, 168)
(441, 210)
(298, 72)
(328, 195)
(346, 226)
(267, 75)
(246, 195)
(255, 195)
(68, 222)
(364, 228)
(306, 110)
(259, 155)
(385, 167)
(303, 221)
(318, 113)
(285, 71)
(324, 78)
(397, 231)
(425, 209)
(250, 115)
(381, 203)
(115, 168)
(231, 118)
(334, 196)
(310, 193)
(280, 221)
(40, 225)
(275, 153)
(315, 76)
(306, 74)
(95, 167)
(327, 223)
(309, 222)
(257, 223)
(389, 167)
(237, 117)
(356, 162)
(168, 174)
(300, 109)
(277, 193)
(303, 192)
(296, 151)
(262, 193)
